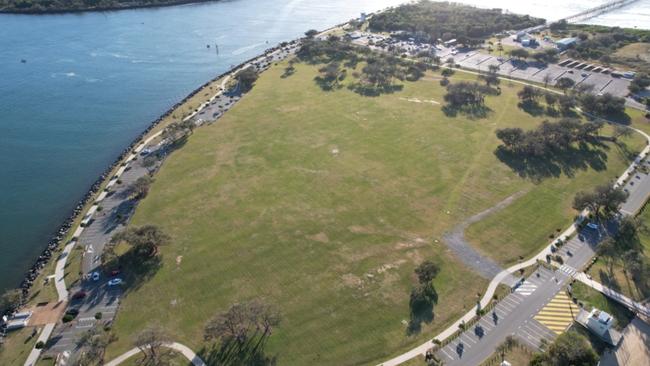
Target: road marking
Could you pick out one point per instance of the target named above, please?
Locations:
(446, 354)
(558, 314)
(467, 336)
(526, 288)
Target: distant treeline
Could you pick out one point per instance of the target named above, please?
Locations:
(59, 6)
(432, 20)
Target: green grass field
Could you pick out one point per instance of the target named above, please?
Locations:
(592, 298)
(322, 203)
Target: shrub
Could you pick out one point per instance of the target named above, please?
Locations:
(68, 318)
(39, 345)
(98, 315)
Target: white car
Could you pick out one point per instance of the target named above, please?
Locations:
(115, 282)
(95, 276)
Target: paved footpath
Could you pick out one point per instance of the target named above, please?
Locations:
(184, 350)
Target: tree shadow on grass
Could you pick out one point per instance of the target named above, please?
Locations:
(421, 310)
(134, 269)
(375, 90)
(232, 353)
(533, 108)
(555, 163)
(472, 112)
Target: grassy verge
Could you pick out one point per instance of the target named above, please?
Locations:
(517, 231)
(17, 347)
(591, 298)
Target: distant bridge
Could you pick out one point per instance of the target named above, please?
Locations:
(598, 10)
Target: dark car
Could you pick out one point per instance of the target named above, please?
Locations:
(72, 311)
(79, 295)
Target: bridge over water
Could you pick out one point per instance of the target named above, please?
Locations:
(598, 10)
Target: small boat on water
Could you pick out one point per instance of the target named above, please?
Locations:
(23, 61)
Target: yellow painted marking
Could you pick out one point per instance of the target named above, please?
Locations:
(558, 314)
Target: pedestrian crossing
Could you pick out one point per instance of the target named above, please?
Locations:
(568, 270)
(558, 314)
(526, 288)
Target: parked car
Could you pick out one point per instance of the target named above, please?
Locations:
(115, 272)
(115, 282)
(95, 276)
(79, 295)
(72, 311)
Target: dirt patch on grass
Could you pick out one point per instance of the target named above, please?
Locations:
(320, 237)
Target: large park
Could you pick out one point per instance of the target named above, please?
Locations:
(327, 218)
(320, 193)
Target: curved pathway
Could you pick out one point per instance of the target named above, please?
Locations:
(182, 349)
(483, 265)
(501, 276)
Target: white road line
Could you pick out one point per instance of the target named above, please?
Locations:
(467, 336)
(446, 354)
(502, 313)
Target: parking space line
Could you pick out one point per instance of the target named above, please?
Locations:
(446, 354)
(510, 301)
(467, 337)
(500, 312)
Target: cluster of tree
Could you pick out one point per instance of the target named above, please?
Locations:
(140, 188)
(466, 95)
(246, 78)
(548, 55)
(491, 77)
(143, 240)
(47, 6)
(626, 247)
(602, 105)
(602, 201)
(423, 295)
(429, 21)
(91, 346)
(380, 74)
(177, 131)
(640, 82)
(530, 97)
(570, 348)
(549, 137)
(600, 42)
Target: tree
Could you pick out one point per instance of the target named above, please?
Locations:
(528, 94)
(570, 348)
(178, 130)
(603, 200)
(242, 322)
(247, 78)
(466, 94)
(151, 341)
(311, 33)
(144, 240)
(10, 300)
(565, 83)
(140, 188)
(519, 53)
(567, 103)
(550, 99)
(621, 131)
(547, 79)
(605, 104)
(427, 271)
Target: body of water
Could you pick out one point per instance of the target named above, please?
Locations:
(93, 81)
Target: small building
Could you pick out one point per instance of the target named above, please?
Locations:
(599, 322)
(519, 36)
(565, 43)
(450, 42)
(355, 35)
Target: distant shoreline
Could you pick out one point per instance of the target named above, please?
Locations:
(41, 11)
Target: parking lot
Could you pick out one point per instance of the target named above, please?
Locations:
(101, 299)
(480, 60)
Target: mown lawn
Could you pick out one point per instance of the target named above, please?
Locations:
(322, 203)
(17, 347)
(523, 228)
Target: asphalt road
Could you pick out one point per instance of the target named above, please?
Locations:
(639, 190)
